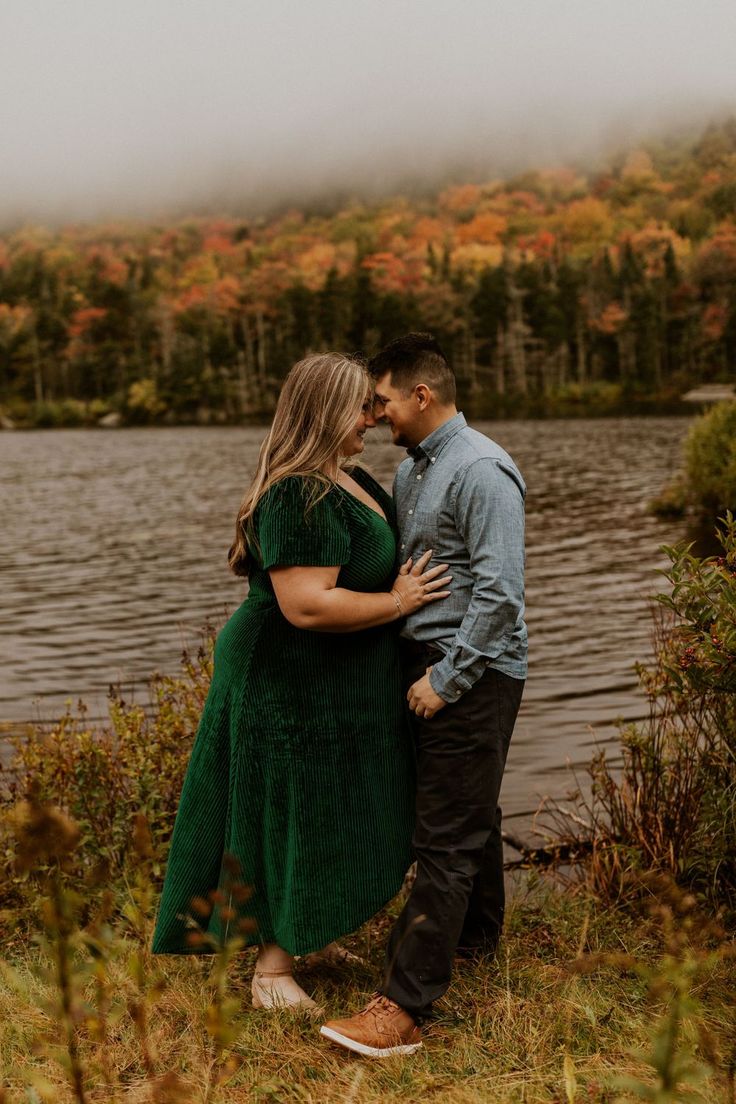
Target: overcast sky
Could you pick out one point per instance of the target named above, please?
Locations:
(144, 106)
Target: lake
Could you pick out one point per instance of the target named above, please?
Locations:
(113, 555)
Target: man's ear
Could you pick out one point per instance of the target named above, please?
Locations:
(423, 395)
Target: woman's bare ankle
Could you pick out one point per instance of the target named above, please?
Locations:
(273, 959)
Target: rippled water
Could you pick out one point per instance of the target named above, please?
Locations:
(113, 545)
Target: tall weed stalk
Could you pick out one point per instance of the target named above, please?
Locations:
(87, 1010)
(680, 1054)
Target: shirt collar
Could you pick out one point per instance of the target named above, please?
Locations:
(437, 439)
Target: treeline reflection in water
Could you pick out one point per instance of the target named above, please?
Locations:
(113, 550)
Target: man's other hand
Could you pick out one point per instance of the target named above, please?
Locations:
(422, 699)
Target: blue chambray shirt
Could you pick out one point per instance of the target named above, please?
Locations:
(462, 495)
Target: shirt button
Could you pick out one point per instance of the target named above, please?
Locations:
(432, 459)
(411, 511)
(403, 546)
(419, 477)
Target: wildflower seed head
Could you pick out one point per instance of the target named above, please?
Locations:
(142, 842)
(200, 906)
(42, 833)
(231, 864)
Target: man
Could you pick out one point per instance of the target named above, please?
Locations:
(464, 661)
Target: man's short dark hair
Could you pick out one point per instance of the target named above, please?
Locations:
(412, 359)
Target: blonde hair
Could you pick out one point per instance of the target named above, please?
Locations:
(318, 407)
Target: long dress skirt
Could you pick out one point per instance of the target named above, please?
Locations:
(302, 767)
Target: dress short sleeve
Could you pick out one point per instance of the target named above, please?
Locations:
(289, 534)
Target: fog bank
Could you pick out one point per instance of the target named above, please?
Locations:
(161, 108)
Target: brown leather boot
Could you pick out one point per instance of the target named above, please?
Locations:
(382, 1028)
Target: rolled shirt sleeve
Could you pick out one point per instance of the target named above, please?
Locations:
(489, 516)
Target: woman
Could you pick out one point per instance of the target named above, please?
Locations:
(302, 764)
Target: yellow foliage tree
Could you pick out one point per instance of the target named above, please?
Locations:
(586, 225)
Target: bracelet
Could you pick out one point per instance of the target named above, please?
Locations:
(397, 600)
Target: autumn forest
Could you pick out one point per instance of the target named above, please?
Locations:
(552, 292)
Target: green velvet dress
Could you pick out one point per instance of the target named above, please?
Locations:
(302, 765)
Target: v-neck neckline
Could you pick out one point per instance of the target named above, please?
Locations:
(381, 517)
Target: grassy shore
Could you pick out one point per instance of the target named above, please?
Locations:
(579, 997)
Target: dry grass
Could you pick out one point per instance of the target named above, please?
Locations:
(532, 1026)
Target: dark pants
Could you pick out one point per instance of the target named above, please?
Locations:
(457, 900)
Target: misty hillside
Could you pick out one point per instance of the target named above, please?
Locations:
(550, 290)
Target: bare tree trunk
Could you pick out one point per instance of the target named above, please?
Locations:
(472, 362)
(166, 330)
(626, 355)
(122, 373)
(562, 361)
(517, 334)
(580, 349)
(459, 357)
(657, 364)
(245, 397)
(465, 362)
(544, 364)
(261, 349)
(250, 363)
(626, 346)
(37, 369)
(499, 362)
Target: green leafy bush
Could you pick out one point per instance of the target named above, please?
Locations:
(671, 806)
(104, 777)
(710, 460)
(144, 404)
